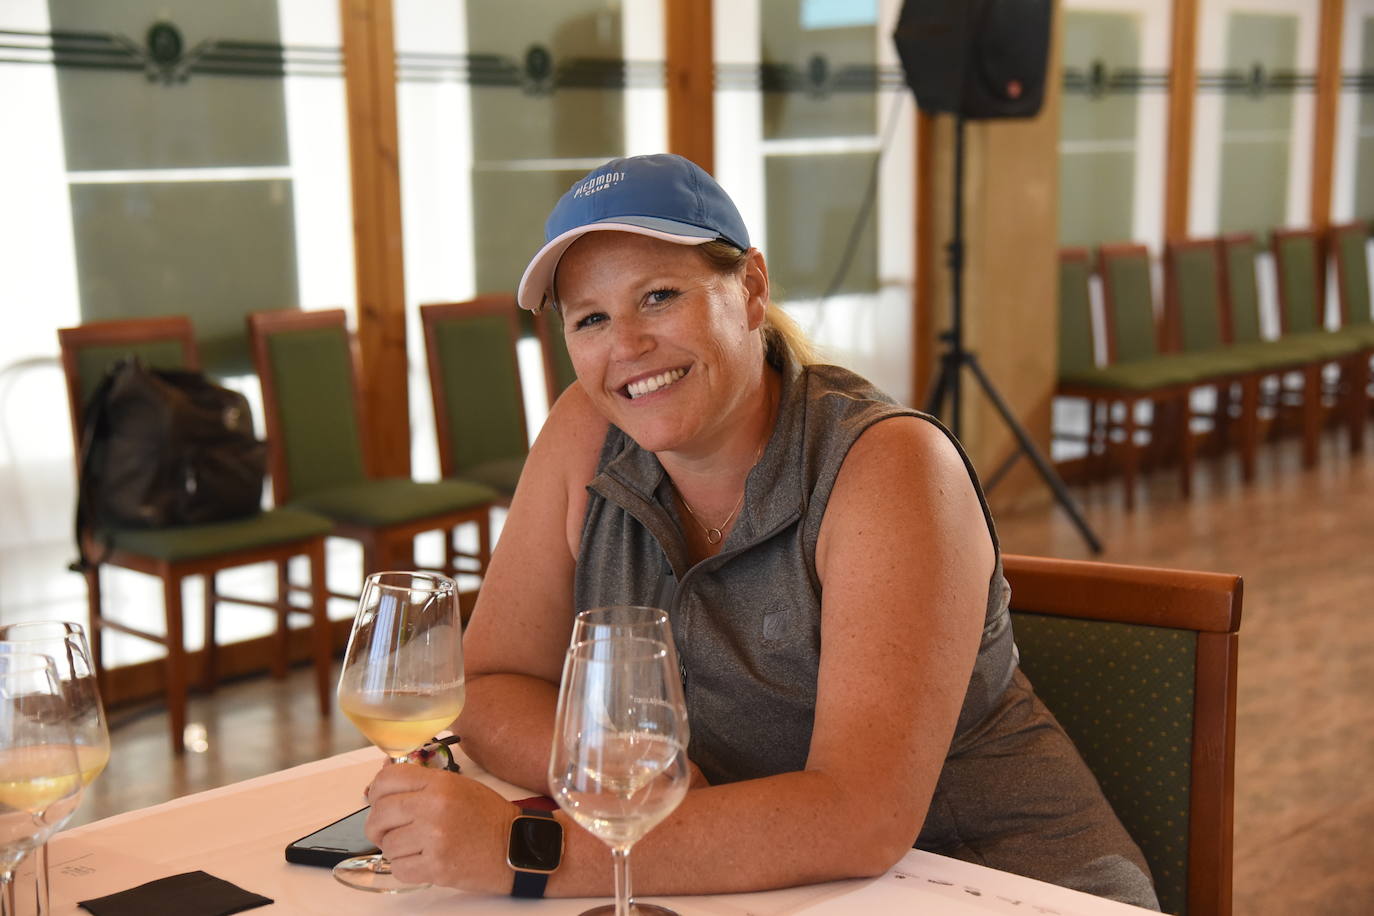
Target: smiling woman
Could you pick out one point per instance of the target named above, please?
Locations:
(641, 312)
(829, 571)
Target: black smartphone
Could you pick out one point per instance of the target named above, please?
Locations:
(330, 845)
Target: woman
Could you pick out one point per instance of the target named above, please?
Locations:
(829, 567)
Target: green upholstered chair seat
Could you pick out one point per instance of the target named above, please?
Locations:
(1289, 352)
(190, 542)
(395, 500)
(501, 475)
(1139, 377)
(1325, 344)
(1145, 374)
(1360, 334)
(1222, 361)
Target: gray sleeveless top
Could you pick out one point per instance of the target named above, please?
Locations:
(747, 621)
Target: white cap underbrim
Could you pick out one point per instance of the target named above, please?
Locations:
(537, 281)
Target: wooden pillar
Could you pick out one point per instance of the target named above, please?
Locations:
(370, 81)
(1328, 100)
(1182, 91)
(691, 82)
(924, 322)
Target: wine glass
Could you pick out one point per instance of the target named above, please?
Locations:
(65, 643)
(40, 778)
(619, 761)
(624, 620)
(402, 681)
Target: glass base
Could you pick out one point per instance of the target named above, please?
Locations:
(372, 873)
(636, 909)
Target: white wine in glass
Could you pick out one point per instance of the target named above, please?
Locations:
(65, 643)
(402, 681)
(40, 779)
(619, 761)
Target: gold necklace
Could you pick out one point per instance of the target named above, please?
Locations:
(714, 535)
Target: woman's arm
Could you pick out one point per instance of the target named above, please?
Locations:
(516, 639)
(905, 560)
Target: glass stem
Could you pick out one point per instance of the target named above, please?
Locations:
(620, 857)
(7, 907)
(42, 888)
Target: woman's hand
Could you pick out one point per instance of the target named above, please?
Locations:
(696, 778)
(438, 827)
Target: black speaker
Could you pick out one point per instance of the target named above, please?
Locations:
(978, 58)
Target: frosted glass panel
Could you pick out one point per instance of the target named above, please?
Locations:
(1257, 127)
(1098, 143)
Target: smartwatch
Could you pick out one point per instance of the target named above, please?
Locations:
(534, 851)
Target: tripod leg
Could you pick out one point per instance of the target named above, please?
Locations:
(1047, 472)
(936, 399)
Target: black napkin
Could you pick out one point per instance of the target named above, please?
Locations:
(192, 894)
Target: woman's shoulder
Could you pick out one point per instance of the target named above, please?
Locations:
(839, 407)
(571, 437)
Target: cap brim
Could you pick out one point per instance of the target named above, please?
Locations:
(538, 277)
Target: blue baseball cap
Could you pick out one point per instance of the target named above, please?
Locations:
(663, 196)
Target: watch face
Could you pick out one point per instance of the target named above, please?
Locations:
(536, 843)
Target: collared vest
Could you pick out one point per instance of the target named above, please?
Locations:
(747, 621)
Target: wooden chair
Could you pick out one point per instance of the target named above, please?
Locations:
(1136, 368)
(558, 368)
(1348, 248)
(1198, 313)
(316, 454)
(1301, 271)
(1103, 387)
(474, 382)
(1349, 242)
(1139, 666)
(1241, 321)
(173, 554)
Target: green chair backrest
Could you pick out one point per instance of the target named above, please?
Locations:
(93, 362)
(1130, 306)
(1242, 291)
(312, 371)
(1296, 257)
(563, 372)
(481, 389)
(1196, 296)
(1124, 694)
(1075, 316)
(1352, 262)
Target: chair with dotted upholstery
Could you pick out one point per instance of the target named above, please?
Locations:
(1139, 666)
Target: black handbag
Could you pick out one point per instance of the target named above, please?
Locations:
(163, 447)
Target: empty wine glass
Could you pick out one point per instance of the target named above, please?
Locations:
(402, 681)
(40, 778)
(65, 643)
(619, 760)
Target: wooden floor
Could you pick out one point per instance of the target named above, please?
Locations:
(1304, 542)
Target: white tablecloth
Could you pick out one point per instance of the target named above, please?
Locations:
(239, 832)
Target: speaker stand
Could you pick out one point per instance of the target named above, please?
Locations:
(956, 358)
